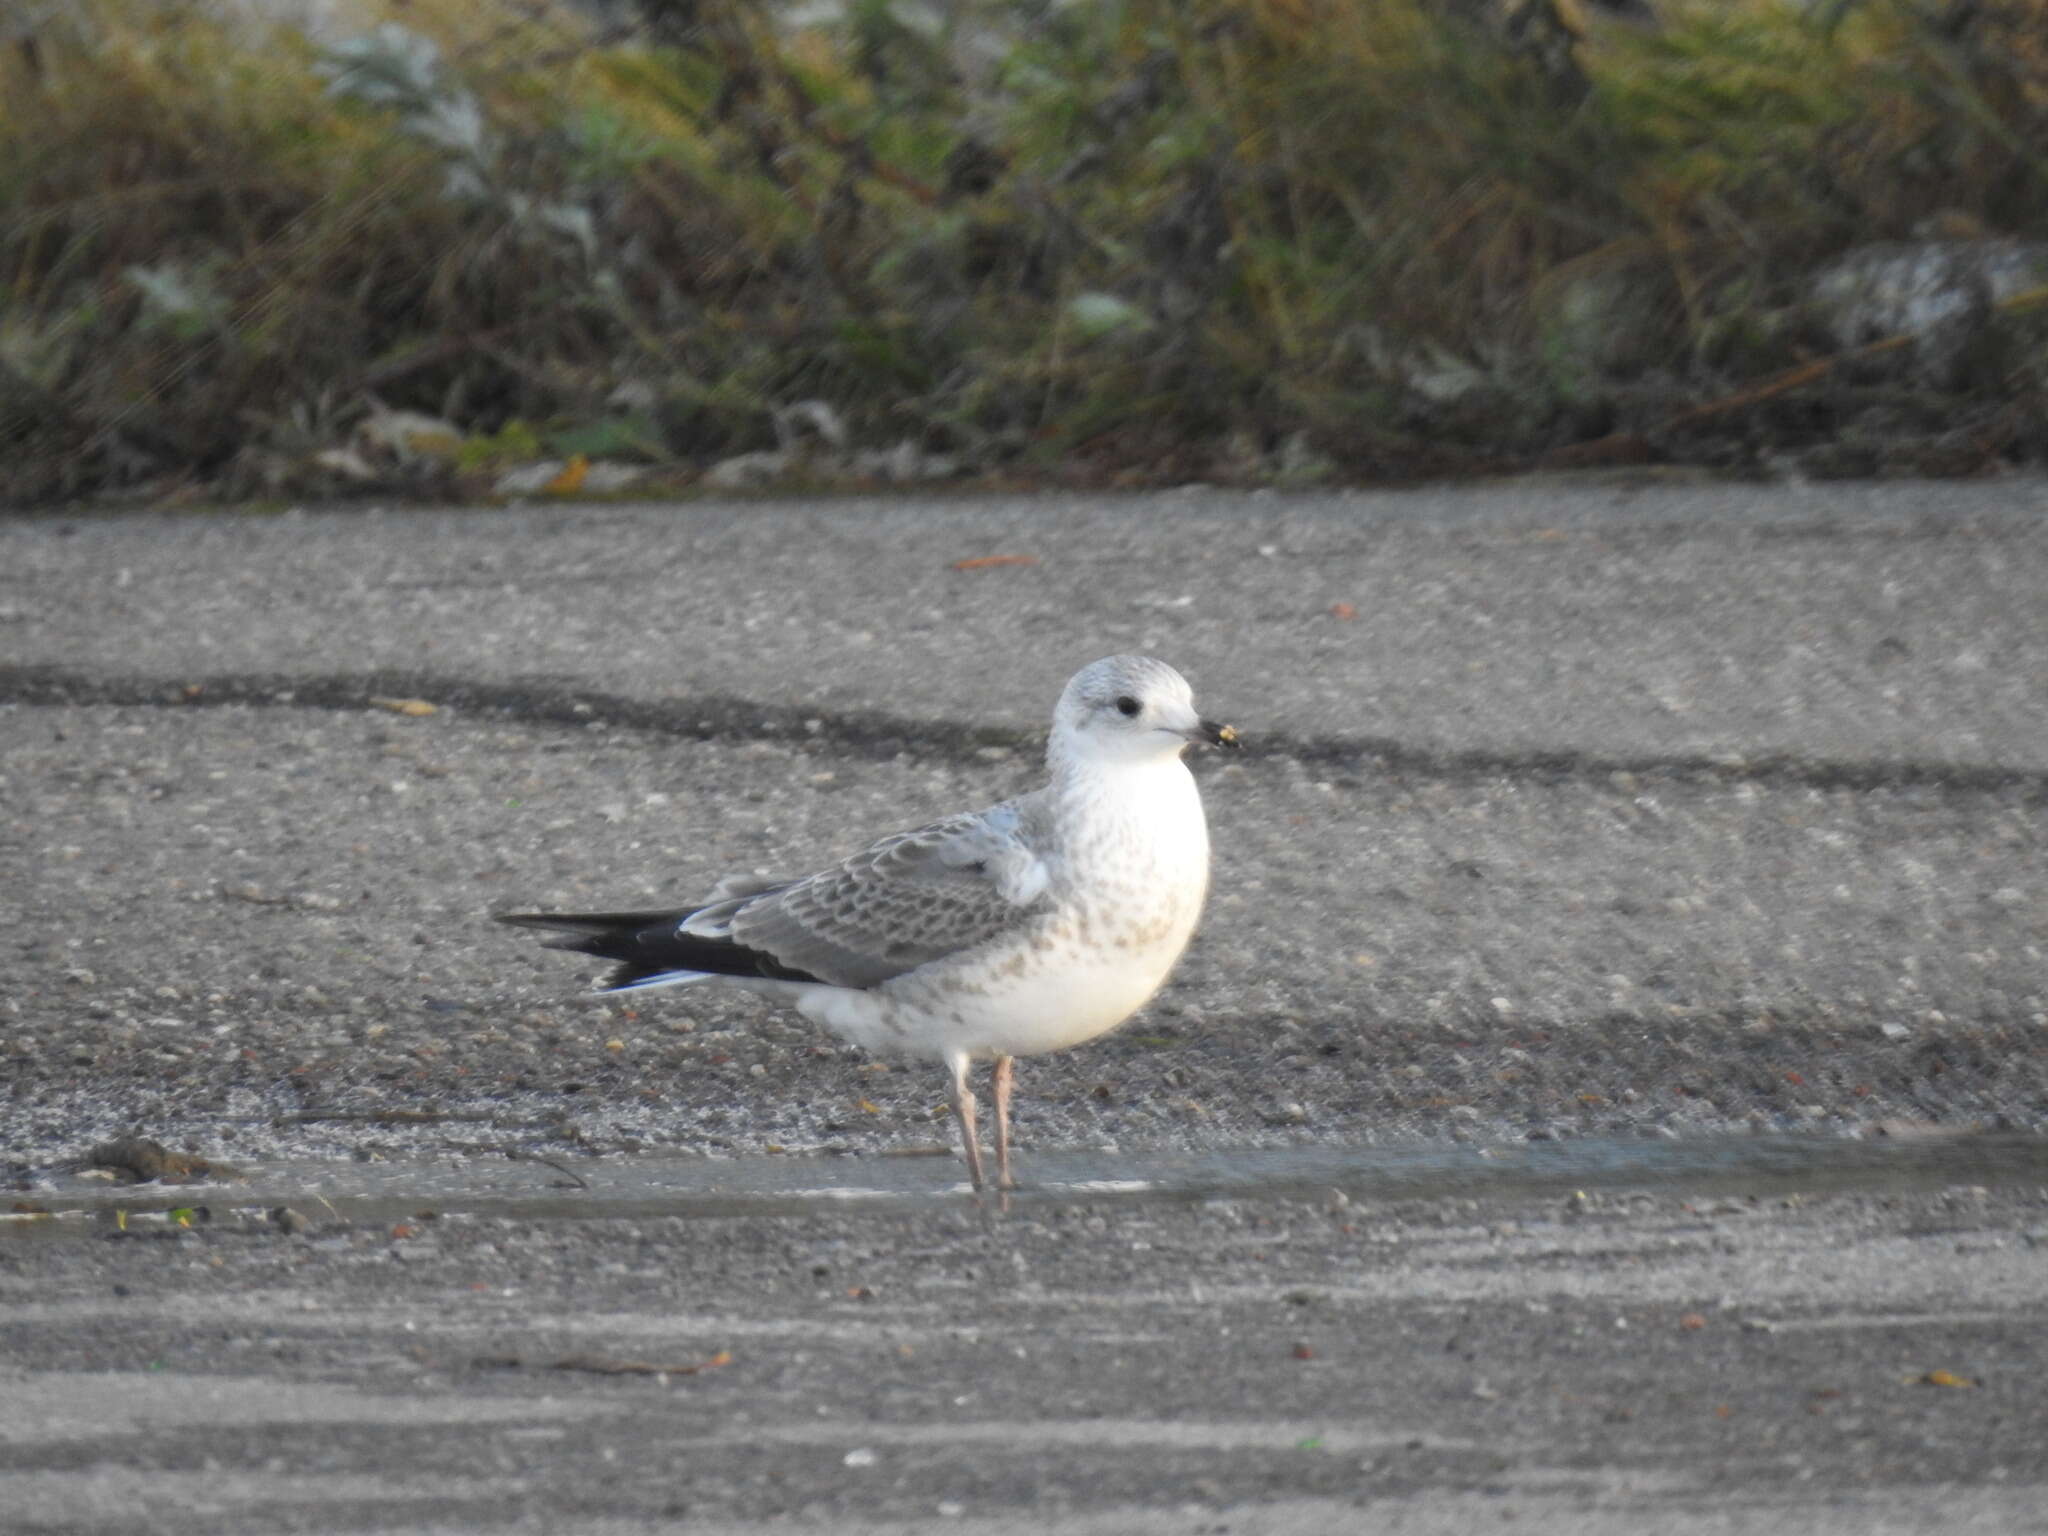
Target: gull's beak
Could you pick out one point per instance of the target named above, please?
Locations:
(1215, 735)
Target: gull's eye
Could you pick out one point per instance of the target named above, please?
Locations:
(1126, 705)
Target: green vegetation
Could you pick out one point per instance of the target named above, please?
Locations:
(1131, 241)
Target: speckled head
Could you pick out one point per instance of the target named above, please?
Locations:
(1129, 708)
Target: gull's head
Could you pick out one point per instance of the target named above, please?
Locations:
(1130, 709)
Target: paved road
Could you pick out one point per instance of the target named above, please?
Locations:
(1579, 815)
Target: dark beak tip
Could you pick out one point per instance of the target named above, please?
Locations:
(1221, 735)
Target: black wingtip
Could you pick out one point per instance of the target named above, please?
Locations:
(592, 922)
(651, 944)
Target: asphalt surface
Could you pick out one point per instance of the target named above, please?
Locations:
(1577, 817)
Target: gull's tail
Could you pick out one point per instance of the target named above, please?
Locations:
(654, 949)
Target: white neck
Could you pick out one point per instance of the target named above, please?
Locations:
(1149, 802)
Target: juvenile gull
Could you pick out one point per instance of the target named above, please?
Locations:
(1031, 926)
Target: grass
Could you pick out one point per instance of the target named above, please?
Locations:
(1140, 240)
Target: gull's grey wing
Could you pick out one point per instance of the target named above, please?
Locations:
(907, 900)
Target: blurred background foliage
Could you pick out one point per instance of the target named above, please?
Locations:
(1125, 242)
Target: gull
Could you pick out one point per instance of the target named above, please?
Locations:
(1032, 926)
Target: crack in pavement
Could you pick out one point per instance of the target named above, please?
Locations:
(878, 734)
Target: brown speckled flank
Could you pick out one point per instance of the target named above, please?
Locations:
(1032, 926)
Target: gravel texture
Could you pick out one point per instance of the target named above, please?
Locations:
(1849, 1364)
(1571, 812)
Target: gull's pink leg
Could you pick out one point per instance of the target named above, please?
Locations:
(964, 1112)
(999, 1080)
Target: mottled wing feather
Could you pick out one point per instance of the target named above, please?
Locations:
(904, 902)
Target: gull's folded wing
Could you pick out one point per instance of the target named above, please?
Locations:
(908, 900)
